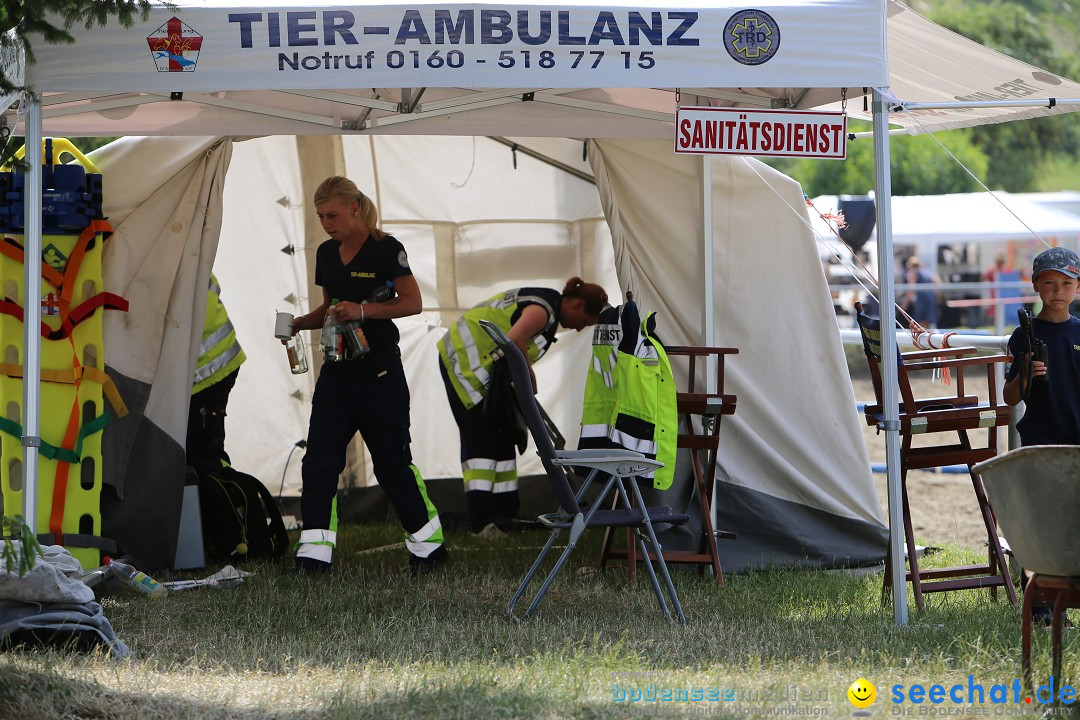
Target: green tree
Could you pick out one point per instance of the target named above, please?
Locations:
(919, 167)
(35, 19)
(50, 20)
(1016, 149)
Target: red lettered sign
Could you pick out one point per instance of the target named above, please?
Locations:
(778, 133)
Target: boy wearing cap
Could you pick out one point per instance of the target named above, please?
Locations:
(1052, 414)
(1052, 409)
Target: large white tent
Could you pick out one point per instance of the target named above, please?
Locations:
(270, 68)
(795, 483)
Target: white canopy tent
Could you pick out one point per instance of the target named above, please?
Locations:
(241, 68)
(795, 484)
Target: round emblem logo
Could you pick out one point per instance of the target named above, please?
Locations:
(403, 259)
(751, 37)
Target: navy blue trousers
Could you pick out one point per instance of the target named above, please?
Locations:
(369, 396)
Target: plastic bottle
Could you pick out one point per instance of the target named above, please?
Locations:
(382, 294)
(332, 339)
(136, 579)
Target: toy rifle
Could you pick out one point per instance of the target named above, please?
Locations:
(1033, 346)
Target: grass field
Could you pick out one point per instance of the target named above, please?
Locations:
(372, 642)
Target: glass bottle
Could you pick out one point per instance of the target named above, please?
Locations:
(355, 339)
(297, 353)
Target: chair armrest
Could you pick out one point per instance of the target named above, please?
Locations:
(597, 453)
(621, 463)
(957, 401)
(705, 403)
(695, 350)
(959, 362)
(955, 352)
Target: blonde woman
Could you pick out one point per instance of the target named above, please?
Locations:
(366, 394)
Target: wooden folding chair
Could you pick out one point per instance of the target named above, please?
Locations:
(929, 417)
(701, 413)
(619, 465)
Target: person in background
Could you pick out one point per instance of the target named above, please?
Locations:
(1002, 271)
(367, 393)
(921, 304)
(220, 357)
(1052, 405)
(530, 316)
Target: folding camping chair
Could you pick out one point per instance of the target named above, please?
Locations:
(958, 413)
(617, 464)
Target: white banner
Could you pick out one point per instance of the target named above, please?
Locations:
(237, 45)
(776, 133)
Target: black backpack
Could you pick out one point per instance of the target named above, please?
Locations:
(239, 517)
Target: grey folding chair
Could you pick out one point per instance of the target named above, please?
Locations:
(617, 464)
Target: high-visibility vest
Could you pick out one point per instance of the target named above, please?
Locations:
(630, 395)
(219, 352)
(466, 350)
(598, 404)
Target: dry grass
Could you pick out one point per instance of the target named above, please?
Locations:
(371, 642)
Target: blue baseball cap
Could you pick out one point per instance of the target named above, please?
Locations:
(1061, 259)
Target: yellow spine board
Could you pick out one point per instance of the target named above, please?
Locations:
(82, 498)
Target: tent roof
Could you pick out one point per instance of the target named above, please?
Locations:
(612, 71)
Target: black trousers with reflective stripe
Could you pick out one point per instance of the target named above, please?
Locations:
(480, 438)
(369, 396)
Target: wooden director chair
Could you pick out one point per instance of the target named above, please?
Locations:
(708, 409)
(932, 417)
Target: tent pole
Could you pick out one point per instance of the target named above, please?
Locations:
(31, 439)
(708, 312)
(890, 394)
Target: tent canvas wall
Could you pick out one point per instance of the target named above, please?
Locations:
(795, 484)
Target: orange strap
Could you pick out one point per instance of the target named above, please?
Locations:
(12, 249)
(71, 319)
(63, 467)
(70, 377)
(56, 518)
(9, 248)
(68, 320)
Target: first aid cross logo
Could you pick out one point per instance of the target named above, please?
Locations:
(175, 47)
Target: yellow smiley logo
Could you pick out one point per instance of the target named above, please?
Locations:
(862, 693)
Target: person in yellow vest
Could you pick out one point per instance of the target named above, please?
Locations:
(530, 316)
(220, 356)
